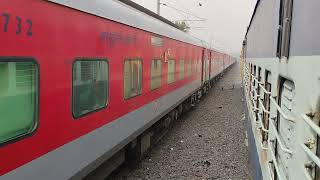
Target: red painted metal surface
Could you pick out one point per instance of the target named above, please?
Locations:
(59, 36)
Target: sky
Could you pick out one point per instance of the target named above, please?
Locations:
(225, 24)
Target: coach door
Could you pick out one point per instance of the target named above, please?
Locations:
(205, 66)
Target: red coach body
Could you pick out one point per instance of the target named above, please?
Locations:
(55, 35)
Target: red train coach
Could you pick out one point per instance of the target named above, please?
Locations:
(82, 80)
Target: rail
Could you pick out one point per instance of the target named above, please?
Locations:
(291, 119)
(261, 123)
(255, 78)
(282, 147)
(263, 129)
(264, 108)
(310, 154)
(307, 174)
(255, 106)
(274, 161)
(306, 149)
(313, 126)
(264, 90)
(257, 95)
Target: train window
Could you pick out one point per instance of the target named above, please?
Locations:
(199, 66)
(284, 31)
(266, 103)
(18, 98)
(181, 69)
(132, 78)
(156, 73)
(189, 68)
(90, 86)
(194, 67)
(171, 71)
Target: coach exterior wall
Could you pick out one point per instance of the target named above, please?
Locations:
(79, 157)
(305, 28)
(262, 35)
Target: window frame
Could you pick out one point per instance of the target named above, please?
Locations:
(189, 68)
(182, 73)
(194, 67)
(284, 29)
(72, 85)
(37, 108)
(173, 73)
(142, 72)
(156, 59)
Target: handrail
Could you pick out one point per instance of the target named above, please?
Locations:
(274, 160)
(263, 129)
(269, 170)
(255, 106)
(251, 95)
(263, 108)
(282, 147)
(313, 126)
(280, 111)
(255, 78)
(256, 93)
(307, 174)
(264, 90)
(310, 154)
(262, 147)
(261, 123)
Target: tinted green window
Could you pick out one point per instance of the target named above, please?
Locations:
(199, 66)
(132, 78)
(171, 71)
(181, 69)
(188, 68)
(156, 73)
(90, 86)
(194, 67)
(18, 99)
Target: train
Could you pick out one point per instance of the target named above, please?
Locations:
(90, 82)
(280, 56)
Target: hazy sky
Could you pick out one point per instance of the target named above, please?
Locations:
(226, 20)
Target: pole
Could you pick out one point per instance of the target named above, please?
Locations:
(158, 7)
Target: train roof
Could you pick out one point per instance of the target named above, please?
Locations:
(132, 14)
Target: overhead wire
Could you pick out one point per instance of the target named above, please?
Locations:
(182, 11)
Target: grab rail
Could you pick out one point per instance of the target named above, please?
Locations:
(261, 123)
(264, 90)
(291, 119)
(282, 147)
(274, 161)
(256, 93)
(269, 170)
(255, 106)
(313, 126)
(307, 174)
(255, 78)
(305, 148)
(310, 154)
(263, 129)
(262, 147)
(263, 108)
(313, 157)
